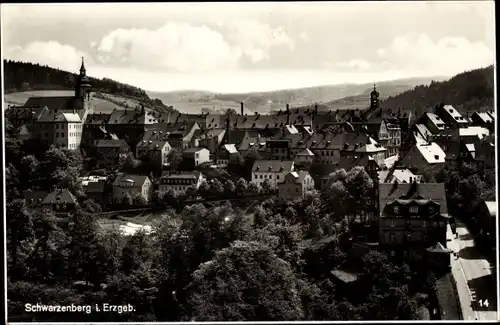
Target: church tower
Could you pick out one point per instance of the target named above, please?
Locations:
(83, 88)
(374, 99)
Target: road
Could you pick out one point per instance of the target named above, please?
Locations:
(473, 275)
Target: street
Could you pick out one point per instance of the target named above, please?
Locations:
(472, 272)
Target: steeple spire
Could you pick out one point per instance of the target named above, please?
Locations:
(82, 68)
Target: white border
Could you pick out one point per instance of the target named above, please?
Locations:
(4, 201)
(4, 187)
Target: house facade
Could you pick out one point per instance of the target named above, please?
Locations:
(412, 217)
(193, 157)
(112, 149)
(156, 152)
(295, 185)
(272, 170)
(126, 186)
(180, 182)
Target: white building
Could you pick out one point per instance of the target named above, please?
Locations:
(196, 156)
(272, 170)
(180, 182)
(63, 130)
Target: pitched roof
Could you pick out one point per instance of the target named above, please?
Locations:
(492, 207)
(54, 103)
(433, 191)
(230, 148)
(305, 152)
(59, 117)
(478, 131)
(436, 120)
(344, 276)
(272, 166)
(439, 248)
(484, 117)
(450, 110)
(152, 144)
(399, 175)
(137, 180)
(97, 119)
(105, 143)
(183, 175)
(37, 196)
(423, 131)
(135, 116)
(24, 113)
(299, 176)
(432, 152)
(60, 196)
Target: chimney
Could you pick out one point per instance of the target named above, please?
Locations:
(287, 114)
(241, 107)
(227, 130)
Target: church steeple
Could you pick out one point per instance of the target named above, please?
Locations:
(83, 71)
(374, 98)
(82, 86)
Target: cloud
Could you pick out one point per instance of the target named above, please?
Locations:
(446, 56)
(51, 53)
(255, 39)
(186, 47)
(355, 64)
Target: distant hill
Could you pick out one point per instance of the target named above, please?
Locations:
(343, 96)
(468, 91)
(23, 76)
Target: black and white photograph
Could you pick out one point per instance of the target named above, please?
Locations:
(249, 161)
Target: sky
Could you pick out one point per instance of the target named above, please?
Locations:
(245, 47)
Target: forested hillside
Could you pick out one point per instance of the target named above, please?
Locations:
(467, 91)
(24, 76)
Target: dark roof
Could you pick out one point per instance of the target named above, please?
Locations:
(138, 180)
(184, 175)
(54, 103)
(152, 145)
(60, 196)
(24, 113)
(132, 117)
(393, 191)
(98, 119)
(192, 150)
(95, 187)
(104, 143)
(274, 166)
(37, 196)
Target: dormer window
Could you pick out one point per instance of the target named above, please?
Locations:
(414, 209)
(431, 209)
(396, 209)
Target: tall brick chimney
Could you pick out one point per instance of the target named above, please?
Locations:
(241, 106)
(287, 114)
(227, 130)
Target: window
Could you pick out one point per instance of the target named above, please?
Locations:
(424, 224)
(408, 237)
(431, 209)
(393, 223)
(414, 209)
(424, 238)
(392, 238)
(278, 176)
(396, 210)
(261, 176)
